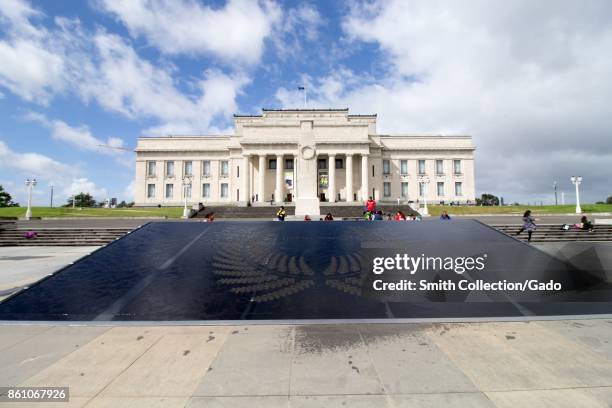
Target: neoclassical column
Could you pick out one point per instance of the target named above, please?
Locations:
(278, 191)
(245, 196)
(262, 178)
(331, 188)
(349, 178)
(364, 177)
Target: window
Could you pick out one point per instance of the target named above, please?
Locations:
(169, 190)
(224, 168)
(206, 190)
(187, 191)
(206, 168)
(421, 189)
(439, 166)
(387, 189)
(288, 164)
(373, 175)
(272, 164)
(386, 167)
(404, 189)
(440, 188)
(322, 164)
(151, 168)
(224, 190)
(457, 166)
(421, 166)
(170, 169)
(150, 190)
(458, 188)
(339, 163)
(188, 168)
(404, 167)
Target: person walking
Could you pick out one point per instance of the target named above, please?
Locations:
(529, 225)
(281, 214)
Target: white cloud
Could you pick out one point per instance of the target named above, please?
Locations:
(298, 25)
(28, 69)
(127, 84)
(235, 32)
(80, 136)
(529, 81)
(46, 170)
(105, 68)
(83, 185)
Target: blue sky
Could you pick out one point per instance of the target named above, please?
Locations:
(529, 82)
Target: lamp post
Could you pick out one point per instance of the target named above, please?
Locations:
(30, 184)
(424, 180)
(51, 185)
(186, 184)
(577, 180)
(555, 188)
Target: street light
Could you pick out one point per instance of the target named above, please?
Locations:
(186, 184)
(30, 184)
(424, 180)
(555, 188)
(51, 185)
(577, 180)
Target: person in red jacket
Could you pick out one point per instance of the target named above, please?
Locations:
(371, 205)
(400, 216)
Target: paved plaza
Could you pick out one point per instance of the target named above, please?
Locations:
(488, 363)
(496, 364)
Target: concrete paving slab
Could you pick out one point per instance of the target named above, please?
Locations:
(566, 358)
(89, 369)
(33, 354)
(132, 402)
(593, 334)
(491, 362)
(338, 401)
(239, 402)
(76, 402)
(11, 335)
(451, 400)
(172, 367)
(251, 362)
(330, 363)
(409, 362)
(559, 398)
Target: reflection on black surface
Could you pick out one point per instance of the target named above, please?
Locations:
(292, 270)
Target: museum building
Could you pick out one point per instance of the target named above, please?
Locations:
(284, 155)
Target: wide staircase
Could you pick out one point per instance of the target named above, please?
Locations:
(269, 212)
(554, 233)
(61, 236)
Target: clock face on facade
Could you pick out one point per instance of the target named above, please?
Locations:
(307, 152)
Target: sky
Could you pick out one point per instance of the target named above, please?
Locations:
(530, 81)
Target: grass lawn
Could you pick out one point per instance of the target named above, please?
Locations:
(519, 209)
(170, 212)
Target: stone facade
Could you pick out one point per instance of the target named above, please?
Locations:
(259, 163)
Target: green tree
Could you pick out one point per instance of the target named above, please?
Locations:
(487, 200)
(5, 199)
(609, 200)
(82, 200)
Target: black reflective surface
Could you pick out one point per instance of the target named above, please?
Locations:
(280, 270)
